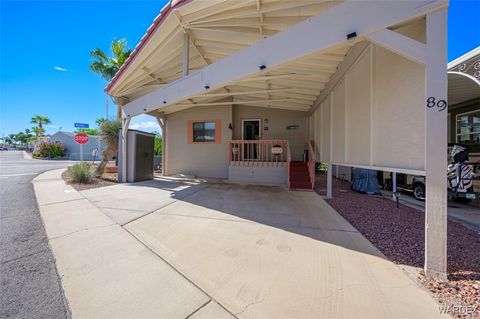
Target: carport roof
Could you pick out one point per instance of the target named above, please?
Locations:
(464, 78)
(222, 30)
(216, 30)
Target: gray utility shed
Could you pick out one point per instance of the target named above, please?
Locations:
(72, 149)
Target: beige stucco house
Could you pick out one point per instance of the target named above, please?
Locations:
(244, 89)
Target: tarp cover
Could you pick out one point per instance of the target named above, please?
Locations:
(365, 181)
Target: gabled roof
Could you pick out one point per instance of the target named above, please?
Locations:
(150, 31)
(217, 28)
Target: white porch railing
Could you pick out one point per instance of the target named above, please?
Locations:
(259, 153)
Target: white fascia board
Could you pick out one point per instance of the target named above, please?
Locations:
(467, 56)
(328, 29)
(400, 44)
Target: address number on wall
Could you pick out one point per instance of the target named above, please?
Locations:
(440, 104)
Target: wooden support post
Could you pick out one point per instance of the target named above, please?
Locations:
(436, 146)
(186, 53)
(329, 180)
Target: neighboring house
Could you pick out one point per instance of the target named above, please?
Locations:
(240, 89)
(72, 149)
(464, 102)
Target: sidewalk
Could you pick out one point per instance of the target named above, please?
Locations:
(106, 272)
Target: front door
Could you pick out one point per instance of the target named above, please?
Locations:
(250, 132)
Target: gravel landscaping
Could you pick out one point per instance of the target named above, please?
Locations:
(399, 234)
(106, 180)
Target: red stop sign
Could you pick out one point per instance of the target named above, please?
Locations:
(81, 138)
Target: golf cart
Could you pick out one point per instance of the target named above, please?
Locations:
(460, 176)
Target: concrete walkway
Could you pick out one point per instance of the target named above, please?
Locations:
(107, 273)
(183, 249)
(466, 214)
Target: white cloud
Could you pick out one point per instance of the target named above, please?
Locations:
(59, 68)
(150, 126)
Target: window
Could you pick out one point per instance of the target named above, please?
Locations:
(468, 128)
(207, 131)
(203, 132)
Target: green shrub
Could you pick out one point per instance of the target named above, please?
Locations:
(81, 173)
(49, 150)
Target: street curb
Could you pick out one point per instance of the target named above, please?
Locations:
(68, 314)
(27, 155)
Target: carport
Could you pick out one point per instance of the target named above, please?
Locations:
(360, 71)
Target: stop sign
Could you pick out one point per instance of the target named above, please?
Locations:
(81, 138)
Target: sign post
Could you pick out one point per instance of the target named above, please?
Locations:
(81, 138)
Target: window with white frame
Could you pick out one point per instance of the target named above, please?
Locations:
(468, 127)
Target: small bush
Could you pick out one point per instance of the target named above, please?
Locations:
(46, 149)
(81, 173)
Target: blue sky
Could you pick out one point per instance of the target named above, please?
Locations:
(45, 46)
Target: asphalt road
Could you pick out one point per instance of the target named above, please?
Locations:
(29, 283)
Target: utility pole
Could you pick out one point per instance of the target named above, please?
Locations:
(106, 107)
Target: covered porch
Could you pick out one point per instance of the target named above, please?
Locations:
(357, 73)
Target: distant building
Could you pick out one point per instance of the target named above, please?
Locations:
(72, 149)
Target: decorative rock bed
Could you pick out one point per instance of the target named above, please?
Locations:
(399, 234)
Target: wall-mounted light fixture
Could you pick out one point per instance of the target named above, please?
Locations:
(351, 35)
(230, 126)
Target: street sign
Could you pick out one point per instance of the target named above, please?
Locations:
(81, 125)
(81, 138)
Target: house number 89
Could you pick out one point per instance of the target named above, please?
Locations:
(441, 104)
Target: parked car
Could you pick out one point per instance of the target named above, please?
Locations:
(416, 185)
(412, 183)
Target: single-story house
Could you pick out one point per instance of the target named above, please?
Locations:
(258, 91)
(91, 150)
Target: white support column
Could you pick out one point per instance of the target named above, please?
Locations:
(329, 180)
(162, 121)
(186, 53)
(125, 124)
(394, 186)
(436, 146)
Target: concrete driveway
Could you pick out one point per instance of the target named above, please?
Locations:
(264, 252)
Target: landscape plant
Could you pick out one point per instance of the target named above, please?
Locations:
(157, 148)
(47, 149)
(81, 173)
(109, 132)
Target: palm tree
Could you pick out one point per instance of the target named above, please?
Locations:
(107, 66)
(38, 130)
(39, 120)
(109, 134)
(99, 121)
